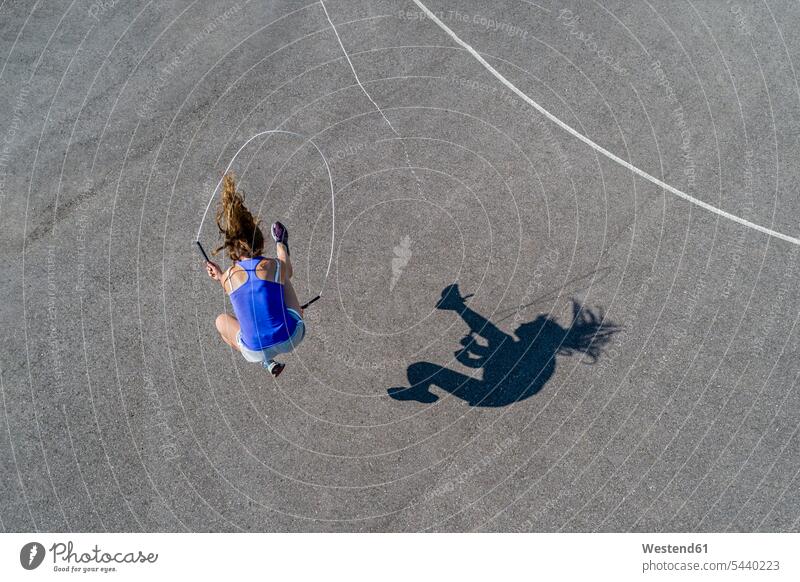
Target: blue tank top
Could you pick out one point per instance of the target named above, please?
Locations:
(260, 309)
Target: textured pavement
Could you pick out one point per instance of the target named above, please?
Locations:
(627, 359)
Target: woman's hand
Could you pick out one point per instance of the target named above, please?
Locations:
(214, 271)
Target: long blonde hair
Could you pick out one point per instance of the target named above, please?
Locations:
(240, 230)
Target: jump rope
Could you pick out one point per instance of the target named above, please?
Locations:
(506, 82)
(327, 167)
(333, 201)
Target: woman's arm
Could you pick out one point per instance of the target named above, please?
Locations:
(217, 274)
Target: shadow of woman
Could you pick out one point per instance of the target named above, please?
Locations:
(513, 369)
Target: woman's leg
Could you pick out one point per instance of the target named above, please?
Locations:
(290, 297)
(283, 254)
(228, 327)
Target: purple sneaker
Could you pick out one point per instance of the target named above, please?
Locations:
(280, 234)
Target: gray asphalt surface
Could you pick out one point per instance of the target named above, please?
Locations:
(122, 410)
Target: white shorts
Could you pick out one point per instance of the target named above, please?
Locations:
(283, 347)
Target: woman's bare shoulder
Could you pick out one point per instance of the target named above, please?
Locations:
(266, 268)
(233, 277)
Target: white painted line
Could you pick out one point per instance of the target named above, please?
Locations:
(595, 146)
(364, 90)
(352, 68)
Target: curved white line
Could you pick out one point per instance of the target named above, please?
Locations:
(602, 150)
(374, 104)
(353, 69)
(330, 181)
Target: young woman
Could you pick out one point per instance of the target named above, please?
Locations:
(269, 319)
